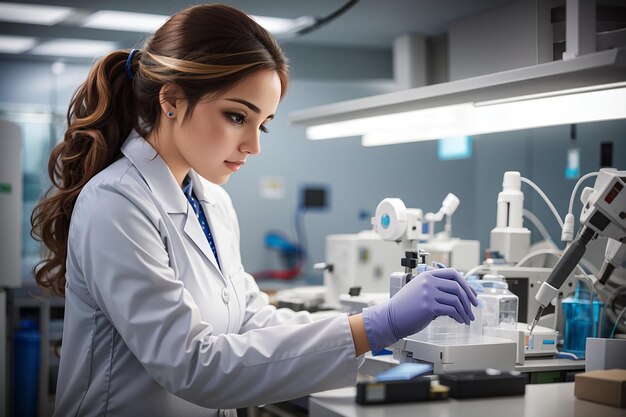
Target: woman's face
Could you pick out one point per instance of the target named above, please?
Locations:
(222, 132)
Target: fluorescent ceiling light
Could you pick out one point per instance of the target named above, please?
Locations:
(471, 119)
(466, 119)
(280, 26)
(273, 24)
(28, 117)
(16, 44)
(143, 22)
(125, 21)
(35, 14)
(74, 48)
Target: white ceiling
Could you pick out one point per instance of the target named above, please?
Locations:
(370, 23)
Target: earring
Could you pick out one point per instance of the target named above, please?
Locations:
(170, 114)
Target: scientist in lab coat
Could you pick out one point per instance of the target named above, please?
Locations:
(160, 317)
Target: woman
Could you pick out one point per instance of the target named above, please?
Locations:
(161, 319)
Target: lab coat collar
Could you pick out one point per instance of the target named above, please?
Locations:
(155, 172)
(194, 231)
(202, 193)
(191, 225)
(161, 181)
(222, 234)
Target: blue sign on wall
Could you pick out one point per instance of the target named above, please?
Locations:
(455, 148)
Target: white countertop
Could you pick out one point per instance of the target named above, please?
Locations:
(541, 400)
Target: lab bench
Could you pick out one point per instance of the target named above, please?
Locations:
(554, 400)
(548, 372)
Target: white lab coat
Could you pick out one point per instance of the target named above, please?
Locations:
(154, 328)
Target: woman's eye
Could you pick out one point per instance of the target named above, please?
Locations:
(237, 118)
(263, 129)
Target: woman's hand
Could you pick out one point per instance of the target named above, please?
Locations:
(433, 293)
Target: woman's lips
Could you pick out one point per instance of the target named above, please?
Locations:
(234, 166)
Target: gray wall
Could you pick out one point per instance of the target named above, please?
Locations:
(359, 177)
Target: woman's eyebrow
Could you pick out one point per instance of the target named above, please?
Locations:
(249, 105)
(246, 103)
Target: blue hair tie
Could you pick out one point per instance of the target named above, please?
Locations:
(129, 61)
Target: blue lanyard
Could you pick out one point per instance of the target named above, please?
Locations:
(197, 208)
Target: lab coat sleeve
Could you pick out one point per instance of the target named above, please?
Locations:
(260, 313)
(115, 233)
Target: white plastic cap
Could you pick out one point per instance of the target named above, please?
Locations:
(450, 204)
(567, 233)
(512, 181)
(585, 194)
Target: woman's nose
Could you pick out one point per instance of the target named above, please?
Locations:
(251, 145)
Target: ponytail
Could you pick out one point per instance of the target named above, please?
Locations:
(100, 117)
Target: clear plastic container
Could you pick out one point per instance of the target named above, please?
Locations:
(500, 304)
(446, 328)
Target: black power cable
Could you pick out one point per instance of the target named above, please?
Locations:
(321, 21)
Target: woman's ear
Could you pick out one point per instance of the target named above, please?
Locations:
(169, 96)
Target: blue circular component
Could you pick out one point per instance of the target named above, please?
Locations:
(385, 220)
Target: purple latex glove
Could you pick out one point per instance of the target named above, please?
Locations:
(433, 293)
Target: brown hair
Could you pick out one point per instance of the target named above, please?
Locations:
(204, 50)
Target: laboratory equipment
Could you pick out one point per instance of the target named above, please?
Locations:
(510, 238)
(583, 317)
(603, 353)
(543, 341)
(500, 319)
(10, 234)
(290, 254)
(457, 354)
(10, 205)
(446, 328)
(366, 260)
(362, 260)
(603, 214)
(355, 303)
(448, 207)
(614, 257)
(446, 344)
(404, 372)
(484, 383)
(309, 298)
(374, 391)
(460, 254)
(525, 282)
(402, 383)
(395, 222)
(456, 253)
